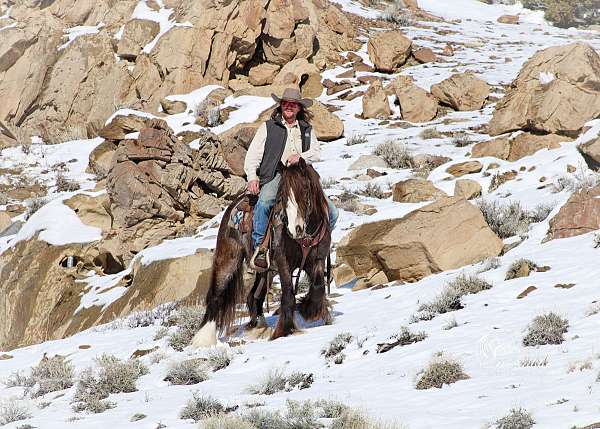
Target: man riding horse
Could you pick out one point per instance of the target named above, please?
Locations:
(279, 142)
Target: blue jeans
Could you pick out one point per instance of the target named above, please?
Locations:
(266, 200)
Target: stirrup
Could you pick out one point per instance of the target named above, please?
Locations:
(267, 258)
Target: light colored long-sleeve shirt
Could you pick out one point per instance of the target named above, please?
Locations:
(293, 144)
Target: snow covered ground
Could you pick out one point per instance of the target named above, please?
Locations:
(488, 337)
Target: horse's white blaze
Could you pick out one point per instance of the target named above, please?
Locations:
(295, 222)
(205, 337)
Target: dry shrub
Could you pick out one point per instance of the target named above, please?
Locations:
(186, 372)
(440, 371)
(395, 155)
(546, 329)
(200, 407)
(516, 419)
(276, 381)
(188, 321)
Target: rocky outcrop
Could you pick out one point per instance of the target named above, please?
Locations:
(388, 50)
(467, 189)
(447, 234)
(41, 294)
(462, 91)
(327, 125)
(416, 104)
(579, 215)
(591, 153)
(463, 168)
(557, 91)
(415, 191)
(137, 33)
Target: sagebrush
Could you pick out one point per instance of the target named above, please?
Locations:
(395, 155)
(545, 329)
(517, 418)
(442, 370)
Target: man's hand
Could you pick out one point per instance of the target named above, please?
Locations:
(253, 187)
(293, 159)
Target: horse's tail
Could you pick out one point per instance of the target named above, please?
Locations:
(226, 283)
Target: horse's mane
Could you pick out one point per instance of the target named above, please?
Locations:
(304, 182)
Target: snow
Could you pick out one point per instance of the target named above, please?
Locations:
(545, 78)
(162, 16)
(490, 327)
(78, 31)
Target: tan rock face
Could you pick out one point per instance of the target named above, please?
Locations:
(5, 220)
(93, 211)
(508, 19)
(462, 91)
(337, 21)
(447, 234)
(263, 74)
(375, 102)
(580, 215)
(172, 107)
(136, 34)
(388, 50)
(326, 124)
(462, 168)
(591, 153)
(425, 55)
(40, 294)
(467, 189)
(416, 191)
(416, 104)
(562, 102)
(101, 158)
(525, 144)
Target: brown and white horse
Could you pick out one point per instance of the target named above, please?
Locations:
(300, 238)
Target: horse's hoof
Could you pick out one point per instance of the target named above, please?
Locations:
(206, 336)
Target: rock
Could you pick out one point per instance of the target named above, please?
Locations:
(416, 191)
(374, 173)
(121, 125)
(5, 221)
(137, 33)
(337, 21)
(579, 215)
(467, 189)
(92, 211)
(172, 107)
(462, 168)
(375, 103)
(424, 55)
(566, 97)
(444, 235)
(448, 50)
(524, 144)
(302, 74)
(497, 148)
(263, 74)
(367, 161)
(101, 158)
(326, 124)
(416, 104)
(388, 50)
(424, 160)
(462, 91)
(143, 352)
(45, 296)
(508, 19)
(342, 274)
(241, 134)
(591, 153)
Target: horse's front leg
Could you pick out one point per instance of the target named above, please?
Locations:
(285, 324)
(314, 305)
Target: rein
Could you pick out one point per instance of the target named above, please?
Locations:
(307, 243)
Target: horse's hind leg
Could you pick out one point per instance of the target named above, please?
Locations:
(256, 298)
(314, 305)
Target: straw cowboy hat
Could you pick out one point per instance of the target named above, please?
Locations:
(292, 94)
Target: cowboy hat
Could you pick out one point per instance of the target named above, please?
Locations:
(292, 94)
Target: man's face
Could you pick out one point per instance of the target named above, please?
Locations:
(290, 109)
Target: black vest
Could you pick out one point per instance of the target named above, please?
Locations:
(275, 145)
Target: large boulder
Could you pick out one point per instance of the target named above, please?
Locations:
(462, 91)
(447, 234)
(556, 91)
(263, 74)
(388, 50)
(416, 191)
(92, 211)
(463, 168)
(326, 124)
(416, 104)
(375, 103)
(101, 159)
(579, 215)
